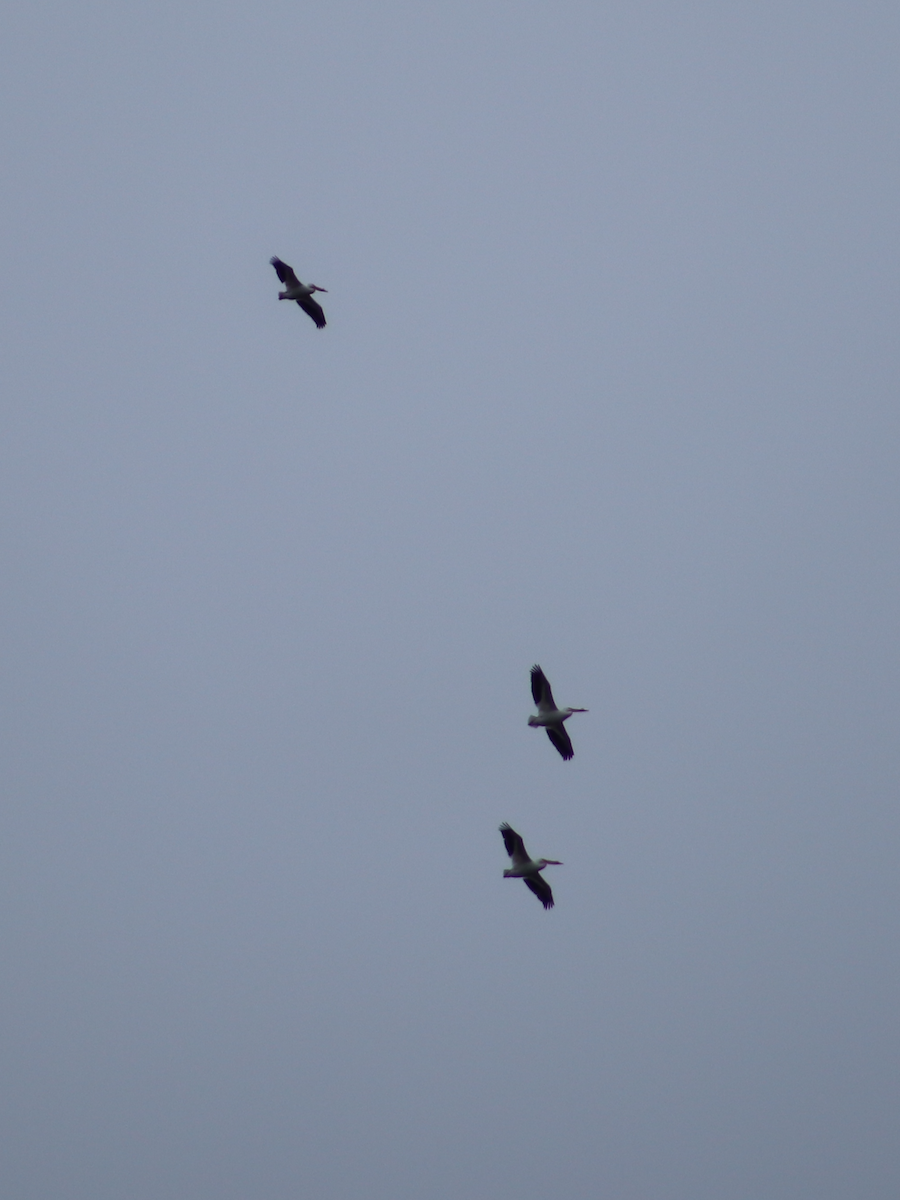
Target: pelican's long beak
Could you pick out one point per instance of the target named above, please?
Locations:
(554, 862)
(316, 288)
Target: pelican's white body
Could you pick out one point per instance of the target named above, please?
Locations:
(552, 716)
(520, 870)
(296, 293)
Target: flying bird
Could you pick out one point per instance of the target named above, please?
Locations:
(301, 292)
(549, 716)
(527, 868)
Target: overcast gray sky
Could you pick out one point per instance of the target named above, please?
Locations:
(609, 383)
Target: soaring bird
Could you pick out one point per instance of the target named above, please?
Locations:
(527, 868)
(301, 292)
(548, 715)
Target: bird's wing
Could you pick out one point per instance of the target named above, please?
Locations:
(312, 309)
(561, 741)
(285, 273)
(515, 847)
(540, 689)
(541, 889)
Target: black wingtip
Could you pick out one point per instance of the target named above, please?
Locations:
(538, 683)
(541, 889)
(561, 740)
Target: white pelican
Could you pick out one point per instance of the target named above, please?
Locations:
(549, 715)
(527, 868)
(301, 292)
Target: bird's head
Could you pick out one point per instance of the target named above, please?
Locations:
(314, 287)
(550, 862)
(571, 710)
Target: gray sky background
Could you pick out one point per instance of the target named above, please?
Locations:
(610, 383)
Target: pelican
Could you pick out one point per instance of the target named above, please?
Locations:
(527, 868)
(549, 715)
(301, 292)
